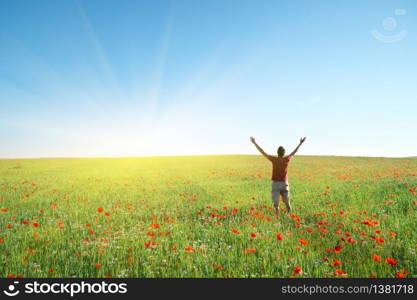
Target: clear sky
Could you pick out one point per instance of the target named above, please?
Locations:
(132, 78)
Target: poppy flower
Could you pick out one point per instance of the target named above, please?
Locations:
(340, 272)
(253, 235)
(189, 249)
(98, 266)
(380, 240)
(279, 236)
(402, 274)
(100, 209)
(298, 270)
(376, 257)
(337, 249)
(303, 242)
(391, 261)
(336, 262)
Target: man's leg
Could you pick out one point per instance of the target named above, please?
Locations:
(286, 197)
(275, 196)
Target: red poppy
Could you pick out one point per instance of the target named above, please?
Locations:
(391, 261)
(340, 272)
(303, 242)
(376, 257)
(100, 209)
(298, 270)
(336, 262)
(337, 249)
(380, 240)
(189, 249)
(402, 274)
(98, 266)
(279, 236)
(253, 235)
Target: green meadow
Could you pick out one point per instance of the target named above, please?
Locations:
(207, 216)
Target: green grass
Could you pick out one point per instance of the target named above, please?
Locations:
(193, 200)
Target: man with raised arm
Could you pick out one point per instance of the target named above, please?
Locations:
(280, 186)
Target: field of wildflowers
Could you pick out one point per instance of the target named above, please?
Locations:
(207, 216)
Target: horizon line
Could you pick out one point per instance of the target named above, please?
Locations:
(189, 155)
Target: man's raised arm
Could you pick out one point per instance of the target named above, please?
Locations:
(252, 139)
(299, 145)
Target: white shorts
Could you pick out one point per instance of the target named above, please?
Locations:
(281, 188)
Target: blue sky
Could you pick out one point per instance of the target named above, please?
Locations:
(132, 78)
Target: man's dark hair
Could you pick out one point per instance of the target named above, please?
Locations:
(281, 151)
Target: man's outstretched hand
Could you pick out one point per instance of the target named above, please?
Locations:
(302, 140)
(252, 139)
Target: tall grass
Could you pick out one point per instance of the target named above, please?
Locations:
(194, 217)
